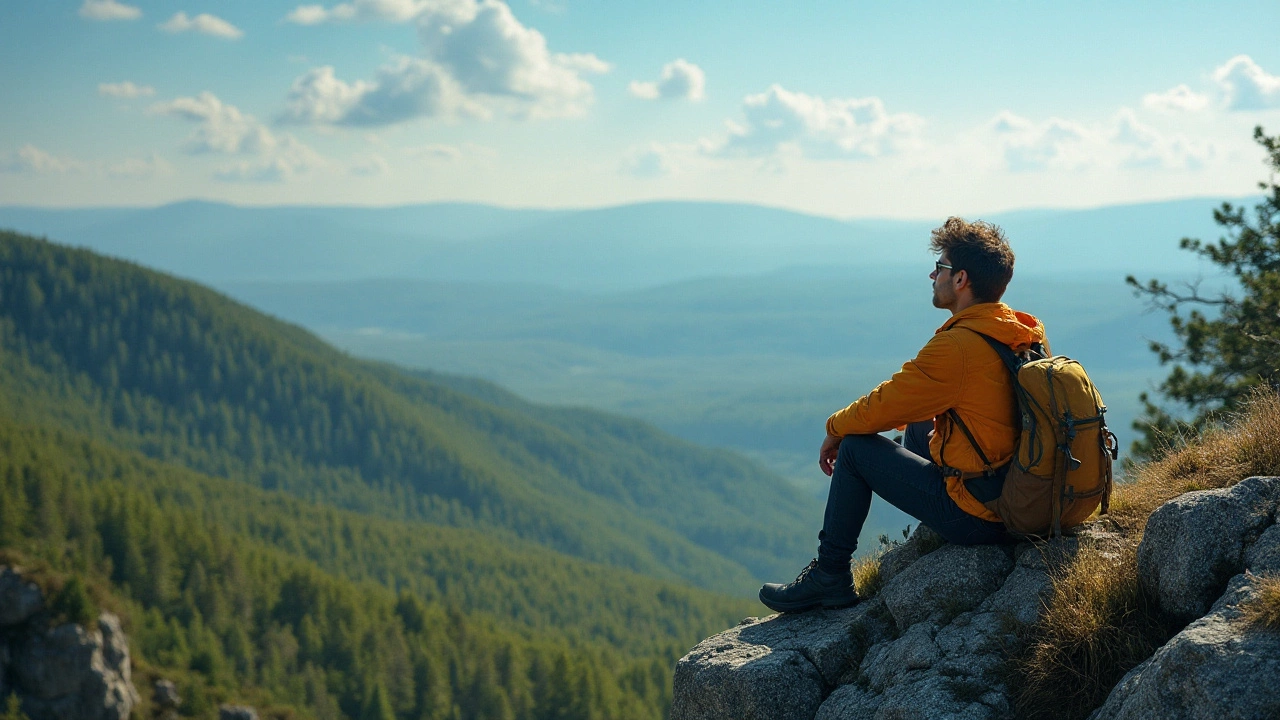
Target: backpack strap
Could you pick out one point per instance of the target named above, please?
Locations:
(1013, 363)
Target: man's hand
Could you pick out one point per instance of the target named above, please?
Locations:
(827, 455)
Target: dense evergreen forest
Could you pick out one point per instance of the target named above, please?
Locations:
(182, 374)
(283, 525)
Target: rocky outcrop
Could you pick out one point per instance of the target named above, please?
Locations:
(1211, 545)
(934, 641)
(1195, 543)
(931, 644)
(1214, 668)
(67, 672)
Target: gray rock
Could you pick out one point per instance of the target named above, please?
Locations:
(1195, 543)
(849, 702)
(975, 633)
(71, 673)
(945, 583)
(1214, 668)
(1022, 596)
(934, 697)
(776, 667)
(237, 712)
(19, 599)
(889, 662)
(1263, 556)
(923, 541)
(166, 694)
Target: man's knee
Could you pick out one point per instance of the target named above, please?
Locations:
(851, 446)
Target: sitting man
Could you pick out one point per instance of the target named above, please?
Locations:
(937, 476)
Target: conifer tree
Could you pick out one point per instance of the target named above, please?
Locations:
(1227, 343)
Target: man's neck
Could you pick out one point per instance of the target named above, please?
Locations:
(963, 304)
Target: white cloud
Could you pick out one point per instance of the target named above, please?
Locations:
(1247, 85)
(1143, 146)
(650, 162)
(140, 168)
(680, 80)
(396, 11)
(406, 89)
(1176, 99)
(31, 159)
(287, 160)
(108, 10)
(204, 24)
(221, 128)
(1063, 145)
(477, 60)
(125, 90)
(779, 120)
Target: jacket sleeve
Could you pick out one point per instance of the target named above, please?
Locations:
(923, 389)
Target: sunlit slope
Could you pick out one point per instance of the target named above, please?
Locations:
(253, 596)
(166, 367)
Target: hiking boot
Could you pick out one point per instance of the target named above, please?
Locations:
(813, 587)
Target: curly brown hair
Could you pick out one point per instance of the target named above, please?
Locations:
(980, 249)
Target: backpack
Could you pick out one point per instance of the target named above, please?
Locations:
(1061, 467)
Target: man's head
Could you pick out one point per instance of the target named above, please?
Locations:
(980, 260)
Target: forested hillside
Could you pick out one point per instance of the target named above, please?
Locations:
(253, 596)
(182, 374)
(283, 525)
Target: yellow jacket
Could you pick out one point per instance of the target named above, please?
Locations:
(955, 369)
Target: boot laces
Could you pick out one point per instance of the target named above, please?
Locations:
(813, 564)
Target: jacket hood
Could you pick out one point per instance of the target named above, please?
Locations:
(1016, 329)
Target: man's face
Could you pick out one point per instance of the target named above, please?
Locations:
(944, 294)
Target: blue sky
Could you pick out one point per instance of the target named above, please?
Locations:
(840, 109)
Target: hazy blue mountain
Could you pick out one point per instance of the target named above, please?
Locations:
(629, 246)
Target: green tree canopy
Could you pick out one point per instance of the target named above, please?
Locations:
(1227, 343)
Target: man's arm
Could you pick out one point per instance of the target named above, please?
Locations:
(923, 389)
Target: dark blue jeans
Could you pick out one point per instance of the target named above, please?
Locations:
(905, 477)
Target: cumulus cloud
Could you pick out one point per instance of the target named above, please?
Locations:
(651, 162)
(1176, 99)
(1064, 145)
(204, 24)
(477, 60)
(31, 159)
(818, 128)
(104, 10)
(1247, 85)
(286, 160)
(680, 80)
(126, 90)
(140, 168)
(1143, 146)
(406, 89)
(397, 11)
(222, 129)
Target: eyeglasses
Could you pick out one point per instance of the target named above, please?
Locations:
(938, 266)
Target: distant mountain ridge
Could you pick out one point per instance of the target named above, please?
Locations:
(627, 246)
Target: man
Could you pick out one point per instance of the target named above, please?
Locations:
(936, 476)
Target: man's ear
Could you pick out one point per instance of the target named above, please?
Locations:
(961, 279)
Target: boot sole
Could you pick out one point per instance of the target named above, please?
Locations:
(797, 607)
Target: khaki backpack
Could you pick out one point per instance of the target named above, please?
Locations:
(1061, 467)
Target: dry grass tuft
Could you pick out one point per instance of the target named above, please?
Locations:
(1246, 444)
(1098, 625)
(866, 574)
(1263, 610)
